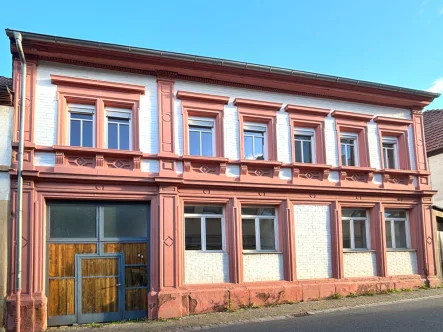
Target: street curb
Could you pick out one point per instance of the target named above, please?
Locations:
(295, 315)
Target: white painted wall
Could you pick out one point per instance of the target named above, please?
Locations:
(313, 241)
(206, 268)
(6, 118)
(262, 267)
(44, 159)
(436, 168)
(359, 264)
(401, 262)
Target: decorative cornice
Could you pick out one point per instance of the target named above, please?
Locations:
(183, 95)
(392, 121)
(104, 85)
(307, 110)
(257, 104)
(351, 116)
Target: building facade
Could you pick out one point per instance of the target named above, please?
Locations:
(161, 185)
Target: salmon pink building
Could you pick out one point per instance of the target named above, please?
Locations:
(161, 185)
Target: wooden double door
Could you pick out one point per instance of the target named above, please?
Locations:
(98, 266)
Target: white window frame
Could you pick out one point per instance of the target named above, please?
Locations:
(198, 121)
(407, 230)
(203, 217)
(81, 109)
(390, 140)
(306, 132)
(260, 127)
(352, 233)
(121, 113)
(257, 219)
(354, 137)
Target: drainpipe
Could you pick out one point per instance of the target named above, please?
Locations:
(19, 207)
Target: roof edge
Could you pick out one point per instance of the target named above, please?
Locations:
(218, 61)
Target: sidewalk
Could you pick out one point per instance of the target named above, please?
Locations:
(284, 311)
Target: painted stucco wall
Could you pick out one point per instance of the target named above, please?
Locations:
(401, 262)
(262, 267)
(313, 241)
(6, 116)
(436, 168)
(206, 268)
(359, 264)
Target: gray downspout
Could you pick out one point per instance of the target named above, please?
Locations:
(19, 206)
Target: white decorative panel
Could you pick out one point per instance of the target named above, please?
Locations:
(262, 267)
(359, 264)
(206, 268)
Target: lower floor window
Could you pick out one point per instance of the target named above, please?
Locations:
(259, 229)
(204, 228)
(397, 229)
(355, 229)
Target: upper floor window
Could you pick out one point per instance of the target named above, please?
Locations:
(349, 149)
(304, 139)
(355, 227)
(390, 152)
(259, 229)
(255, 140)
(204, 228)
(397, 229)
(81, 125)
(119, 129)
(201, 137)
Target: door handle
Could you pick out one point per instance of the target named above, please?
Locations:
(118, 285)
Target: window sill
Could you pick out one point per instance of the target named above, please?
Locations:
(206, 251)
(263, 163)
(400, 250)
(398, 171)
(357, 250)
(312, 166)
(205, 159)
(355, 169)
(255, 252)
(91, 151)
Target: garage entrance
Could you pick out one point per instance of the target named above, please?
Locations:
(98, 267)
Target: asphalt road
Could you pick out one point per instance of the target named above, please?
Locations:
(417, 316)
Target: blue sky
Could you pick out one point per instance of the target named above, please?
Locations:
(397, 42)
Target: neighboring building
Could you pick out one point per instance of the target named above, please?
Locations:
(433, 124)
(160, 184)
(6, 113)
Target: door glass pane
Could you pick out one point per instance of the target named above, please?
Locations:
(249, 153)
(213, 234)
(307, 158)
(87, 134)
(267, 235)
(248, 232)
(124, 137)
(136, 276)
(72, 220)
(298, 154)
(360, 234)
(112, 136)
(75, 133)
(207, 144)
(259, 143)
(194, 143)
(125, 220)
(388, 234)
(346, 234)
(193, 236)
(400, 234)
